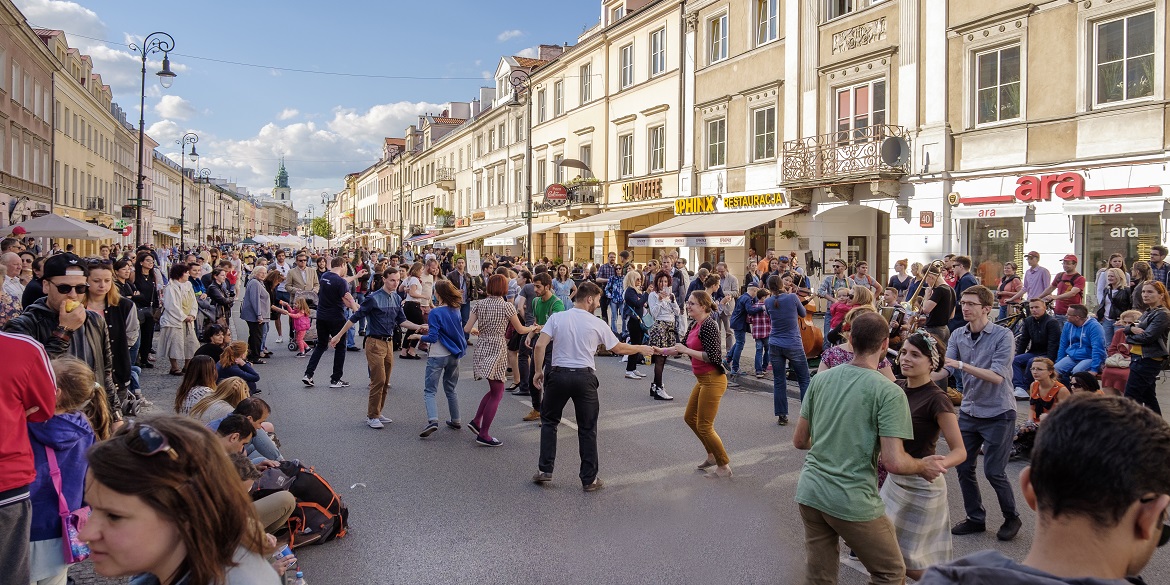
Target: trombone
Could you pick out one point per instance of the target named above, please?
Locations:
(914, 302)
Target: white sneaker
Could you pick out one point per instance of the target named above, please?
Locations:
(307, 380)
(1022, 394)
(633, 376)
(280, 340)
(339, 384)
(623, 358)
(375, 423)
(384, 419)
(640, 375)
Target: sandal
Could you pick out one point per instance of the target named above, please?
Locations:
(176, 372)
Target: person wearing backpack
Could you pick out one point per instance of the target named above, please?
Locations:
(1067, 289)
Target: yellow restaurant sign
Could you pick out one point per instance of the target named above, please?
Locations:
(715, 204)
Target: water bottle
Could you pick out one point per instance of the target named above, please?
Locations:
(300, 579)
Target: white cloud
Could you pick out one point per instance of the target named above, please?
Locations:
(486, 74)
(530, 52)
(173, 106)
(508, 35)
(287, 114)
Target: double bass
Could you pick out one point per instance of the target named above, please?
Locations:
(811, 336)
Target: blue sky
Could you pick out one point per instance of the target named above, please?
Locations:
(325, 125)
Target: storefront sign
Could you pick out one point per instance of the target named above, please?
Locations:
(642, 190)
(755, 201)
(478, 216)
(462, 222)
(694, 205)
(1067, 186)
(556, 192)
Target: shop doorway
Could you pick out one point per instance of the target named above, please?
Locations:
(862, 233)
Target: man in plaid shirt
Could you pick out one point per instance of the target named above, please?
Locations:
(761, 327)
(604, 272)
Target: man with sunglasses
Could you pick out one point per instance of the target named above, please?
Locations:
(79, 333)
(1100, 484)
(302, 277)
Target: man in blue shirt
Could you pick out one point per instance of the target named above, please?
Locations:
(382, 310)
(332, 298)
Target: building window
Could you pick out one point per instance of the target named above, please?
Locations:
(502, 132)
(859, 109)
(540, 106)
(657, 52)
(656, 140)
(491, 140)
(836, 8)
(626, 155)
(717, 32)
(764, 133)
(558, 98)
(997, 85)
(520, 128)
(627, 77)
(558, 169)
(1124, 58)
(519, 184)
(767, 21)
(585, 155)
(541, 176)
(717, 143)
(617, 13)
(586, 83)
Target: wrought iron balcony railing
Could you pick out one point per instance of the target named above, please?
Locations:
(847, 156)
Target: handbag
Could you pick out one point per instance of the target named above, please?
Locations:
(1117, 360)
(647, 320)
(75, 550)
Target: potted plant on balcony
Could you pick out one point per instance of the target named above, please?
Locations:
(444, 217)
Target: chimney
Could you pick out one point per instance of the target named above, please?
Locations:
(446, 113)
(550, 52)
(487, 95)
(474, 108)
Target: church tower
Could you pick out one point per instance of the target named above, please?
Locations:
(281, 192)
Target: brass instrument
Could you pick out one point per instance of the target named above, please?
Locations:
(914, 302)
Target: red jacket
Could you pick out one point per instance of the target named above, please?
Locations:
(26, 381)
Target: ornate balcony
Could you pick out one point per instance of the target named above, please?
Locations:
(445, 178)
(840, 159)
(583, 198)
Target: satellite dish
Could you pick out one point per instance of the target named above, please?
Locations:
(895, 151)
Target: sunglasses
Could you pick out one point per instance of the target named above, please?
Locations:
(145, 440)
(1074, 385)
(65, 288)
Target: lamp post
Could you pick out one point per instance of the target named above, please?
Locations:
(155, 42)
(205, 175)
(520, 80)
(188, 138)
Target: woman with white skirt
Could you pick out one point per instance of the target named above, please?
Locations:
(177, 323)
(918, 508)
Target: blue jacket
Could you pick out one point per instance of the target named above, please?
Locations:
(69, 435)
(445, 325)
(244, 372)
(1084, 342)
(739, 313)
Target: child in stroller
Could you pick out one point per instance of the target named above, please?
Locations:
(301, 314)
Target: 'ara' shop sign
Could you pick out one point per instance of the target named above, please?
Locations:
(1067, 186)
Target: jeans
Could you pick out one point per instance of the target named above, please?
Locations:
(761, 354)
(325, 331)
(735, 350)
(464, 315)
(1068, 366)
(358, 298)
(446, 366)
(14, 542)
(1002, 313)
(875, 543)
(1022, 370)
(264, 335)
(261, 443)
(700, 413)
(351, 335)
(1109, 327)
(995, 436)
(616, 323)
(1143, 374)
(779, 378)
(380, 362)
(580, 386)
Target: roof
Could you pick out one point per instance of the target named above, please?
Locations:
(398, 141)
(441, 120)
(47, 32)
(528, 62)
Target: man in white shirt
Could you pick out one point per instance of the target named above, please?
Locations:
(12, 285)
(572, 375)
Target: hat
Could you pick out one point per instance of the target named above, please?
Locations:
(19, 231)
(1032, 253)
(1069, 258)
(61, 264)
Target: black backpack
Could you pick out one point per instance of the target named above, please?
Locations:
(320, 515)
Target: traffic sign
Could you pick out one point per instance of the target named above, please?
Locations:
(526, 215)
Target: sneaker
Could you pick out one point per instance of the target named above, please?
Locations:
(1021, 394)
(279, 340)
(969, 527)
(1010, 528)
(339, 384)
(142, 400)
(640, 375)
(782, 420)
(759, 374)
(541, 477)
(307, 381)
(532, 415)
(623, 358)
(374, 423)
(454, 425)
(592, 487)
(471, 426)
(430, 428)
(384, 418)
(489, 442)
(633, 376)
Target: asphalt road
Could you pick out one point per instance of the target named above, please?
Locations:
(446, 510)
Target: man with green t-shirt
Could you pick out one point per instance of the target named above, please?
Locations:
(545, 303)
(849, 415)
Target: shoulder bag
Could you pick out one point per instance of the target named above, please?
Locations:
(74, 549)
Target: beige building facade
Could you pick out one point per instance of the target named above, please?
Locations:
(26, 118)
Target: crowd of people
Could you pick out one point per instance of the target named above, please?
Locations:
(896, 367)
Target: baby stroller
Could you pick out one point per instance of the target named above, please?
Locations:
(311, 334)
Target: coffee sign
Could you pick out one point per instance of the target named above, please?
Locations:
(642, 190)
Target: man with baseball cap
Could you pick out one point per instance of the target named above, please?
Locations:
(1036, 279)
(60, 322)
(1069, 289)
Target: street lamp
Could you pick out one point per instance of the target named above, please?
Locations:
(205, 175)
(520, 80)
(156, 42)
(188, 138)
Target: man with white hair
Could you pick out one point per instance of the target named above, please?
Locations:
(12, 285)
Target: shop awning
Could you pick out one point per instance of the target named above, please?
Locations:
(482, 231)
(989, 211)
(165, 233)
(421, 237)
(606, 220)
(1115, 206)
(509, 237)
(714, 229)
